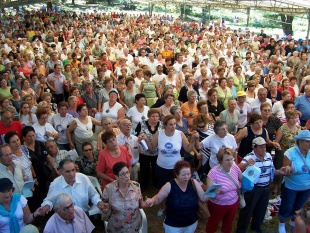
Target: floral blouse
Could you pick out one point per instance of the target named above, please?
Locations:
(287, 140)
(125, 216)
(88, 167)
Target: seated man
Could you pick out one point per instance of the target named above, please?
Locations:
(67, 217)
(77, 185)
(56, 154)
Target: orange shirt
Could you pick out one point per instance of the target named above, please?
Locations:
(166, 54)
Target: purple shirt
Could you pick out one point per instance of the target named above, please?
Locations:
(80, 223)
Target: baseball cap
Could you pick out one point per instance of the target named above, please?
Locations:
(258, 141)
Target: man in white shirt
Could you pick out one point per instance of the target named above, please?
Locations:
(159, 76)
(77, 185)
(178, 65)
(261, 98)
(132, 143)
(127, 56)
(152, 63)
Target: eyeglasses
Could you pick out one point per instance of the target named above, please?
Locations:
(111, 140)
(86, 150)
(127, 124)
(124, 173)
(67, 208)
(44, 118)
(267, 110)
(201, 126)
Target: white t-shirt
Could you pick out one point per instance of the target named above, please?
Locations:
(158, 78)
(136, 116)
(243, 117)
(61, 124)
(41, 131)
(25, 120)
(214, 143)
(111, 112)
(5, 221)
(278, 110)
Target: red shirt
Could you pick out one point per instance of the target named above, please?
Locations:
(106, 162)
(290, 89)
(16, 126)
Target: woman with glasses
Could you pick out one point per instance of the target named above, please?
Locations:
(138, 112)
(220, 139)
(81, 129)
(110, 155)
(125, 199)
(44, 130)
(88, 162)
(223, 207)
(231, 116)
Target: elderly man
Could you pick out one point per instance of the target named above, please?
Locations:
(7, 124)
(132, 143)
(56, 154)
(302, 104)
(77, 185)
(261, 98)
(258, 198)
(10, 169)
(67, 217)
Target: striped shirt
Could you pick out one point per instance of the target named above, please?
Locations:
(266, 166)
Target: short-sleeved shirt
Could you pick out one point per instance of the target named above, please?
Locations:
(41, 131)
(17, 177)
(16, 126)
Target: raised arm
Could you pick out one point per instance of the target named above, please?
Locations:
(69, 133)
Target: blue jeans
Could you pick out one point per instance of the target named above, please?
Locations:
(291, 201)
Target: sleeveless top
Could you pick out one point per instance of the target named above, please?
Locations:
(83, 132)
(112, 113)
(129, 97)
(169, 149)
(149, 89)
(181, 206)
(246, 143)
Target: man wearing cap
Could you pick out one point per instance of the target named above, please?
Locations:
(68, 217)
(295, 190)
(11, 169)
(258, 198)
(77, 185)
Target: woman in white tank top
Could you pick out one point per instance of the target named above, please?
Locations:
(82, 127)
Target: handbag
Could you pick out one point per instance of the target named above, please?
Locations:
(203, 211)
(242, 203)
(106, 215)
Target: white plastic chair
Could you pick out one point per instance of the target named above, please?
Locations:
(144, 228)
(96, 184)
(94, 209)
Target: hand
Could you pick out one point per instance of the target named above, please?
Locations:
(195, 136)
(199, 156)
(44, 210)
(251, 162)
(49, 134)
(36, 181)
(149, 201)
(104, 207)
(286, 171)
(72, 147)
(277, 145)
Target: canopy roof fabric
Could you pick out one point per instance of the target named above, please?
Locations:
(289, 7)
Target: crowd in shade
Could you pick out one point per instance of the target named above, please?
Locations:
(96, 108)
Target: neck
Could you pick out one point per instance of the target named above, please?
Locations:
(123, 185)
(231, 111)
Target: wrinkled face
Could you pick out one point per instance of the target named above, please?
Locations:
(66, 211)
(6, 159)
(7, 119)
(184, 174)
(262, 95)
(260, 150)
(68, 172)
(125, 127)
(124, 175)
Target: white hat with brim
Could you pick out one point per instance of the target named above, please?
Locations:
(303, 135)
(258, 141)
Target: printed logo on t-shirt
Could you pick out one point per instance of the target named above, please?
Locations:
(169, 151)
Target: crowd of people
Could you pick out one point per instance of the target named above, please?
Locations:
(127, 98)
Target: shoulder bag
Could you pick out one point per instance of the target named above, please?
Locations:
(203, 211)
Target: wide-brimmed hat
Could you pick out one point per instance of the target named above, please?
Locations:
(5, 184)
(303, 135)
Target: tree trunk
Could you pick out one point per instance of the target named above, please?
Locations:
(73, 2)
(287, 24)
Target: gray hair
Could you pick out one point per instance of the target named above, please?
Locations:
(173, 109)
(307, 87)
(61, 199)
(261, 90)
(218, 124)
(50, 141)
(191, 92)
(271, 84)
(105, 118)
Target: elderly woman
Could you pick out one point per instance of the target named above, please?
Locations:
(61, 122)
(43, 129)
(14, 211)
(104, 93)
(125, 199)
(148, 159)
(165, 109)
(112, 108)
(189, 86)
(205, 129)
(224, 93)
(110, 155)
(224, 206)
(80, 129)
(230, 85)
(88, 162)
(277, 108)
(181, 194)
(129, 93)
(189, 108)
(4, 89)
(221, 138)
(107, 125)
(273, 93)
(231, 116)
(138, 112)
(202, 106)
(295, 189)
(239, 79)
(215, 106)
(169, 143)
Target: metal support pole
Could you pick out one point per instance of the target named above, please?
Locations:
(307, 37)
(204, 12)
(248, 16)
(184, 9)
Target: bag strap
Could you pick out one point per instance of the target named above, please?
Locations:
(194, 186)
(232, 180)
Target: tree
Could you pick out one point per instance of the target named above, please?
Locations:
(49, 5)
(287, 24)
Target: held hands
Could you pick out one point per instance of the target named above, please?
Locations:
(149, 202)
(42, 211)
(285, 171)
(277, 145)
(104, 207)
